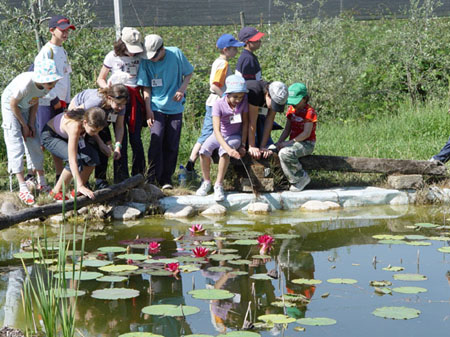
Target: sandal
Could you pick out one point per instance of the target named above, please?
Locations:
(27, 198)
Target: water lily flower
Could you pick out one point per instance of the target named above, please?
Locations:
(154, 247)
(265, 244)
(200, 251)
(196, 229)
(101, 256)
(130, 261)
(174, 268)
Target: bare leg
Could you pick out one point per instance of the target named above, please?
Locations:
(65, 178)
(85, 174)
(224, 161)
(59, 165)
(194, 153)
(205, 163)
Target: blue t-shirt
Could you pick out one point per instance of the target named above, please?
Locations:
(165, 77)
(248, 66)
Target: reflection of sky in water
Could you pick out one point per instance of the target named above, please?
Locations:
(319, 252)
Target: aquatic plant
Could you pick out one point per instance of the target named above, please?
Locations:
(197, 229)
(200, 251)
(154, 247)
(265, 244)
(174, 268)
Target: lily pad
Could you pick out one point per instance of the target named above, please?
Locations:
(410, 277)
(239, 262)
(26, 255)
(241, 334)
(110, 278)
(96, 263)
(170, 310)
(316, 321)
(225, 257)
(151, 261)
(439, 238)
(166, 261)
(136, 257)
(197, 335)
(115, 293)
(160, 273)
(228, 250)
(295, 298)
(262, 257)
(220, 269)
(415, 237)
(211, 294)
(239, 273)
(276, 319)
(380, 283)
(139, 334)
(342, 281)
(388, 237)
(112, 249)
(410, 290)
(306, 281)
(247, 242)
(65, 293)
(418, 243)
(286, 236)
(261, 277)
(426, 225)
(116, 268)
(392, 242)
(189, 268)
(396, 312)
(383, 291)
(393, 268)
(83, 276)
(281, 304)
(444, 249)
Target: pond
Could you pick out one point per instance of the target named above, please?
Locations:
(349, 249)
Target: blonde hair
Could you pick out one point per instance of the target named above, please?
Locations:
(116, 91)
(95, 117)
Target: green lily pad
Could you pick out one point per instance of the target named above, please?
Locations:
(189, 268)
(281, 304)
(396, 312)
(46, 261)
(392, 242)
(96, 263)
(286, 236)
(115, 293)
(112, 249)
(241, 334)
(415, 237)
(444, 249)
(151, 261)
(110, 278)
(388, 237)
(247, 242)
(410, 277)
(187, 259)
(295, 298)
(220, 269)
(83, 276)
(225, 257)
(316, 321)
(170, 310)
(426, 225)
(380, 283)
(160, 273)
(26, 255)
(439, 238)
(261, 277)
(66, 293)
(228, 250)
(418, 243)
(410, 290)
(197, 335)
(136, 257)
(342, 281)
(239, 262)
(166, 261)
(277, 319)
(116, 268)
(209, 243)
(393, 268)
(239, 273)
(139, 334)
(306, 281)
(383, 291)
(211, 294)
(261, 257)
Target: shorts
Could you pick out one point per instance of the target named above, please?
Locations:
(211, 144)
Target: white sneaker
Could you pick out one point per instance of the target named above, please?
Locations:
(219, 194)
(204, 188)
(301, 184)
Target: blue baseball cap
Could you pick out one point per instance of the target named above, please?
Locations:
(234, 84)
(228, 40)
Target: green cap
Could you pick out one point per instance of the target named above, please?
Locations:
(296, 93)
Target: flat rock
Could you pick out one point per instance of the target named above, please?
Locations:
(180, 211)
(8, 208)
(138, 195)
(125, 213)
(140, 206)
(56, 219)
(319, 206)
(215, 210)
(407, 181)
(153, 192)
(258, 208)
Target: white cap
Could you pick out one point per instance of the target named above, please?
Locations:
(132, 39)
(152, 43)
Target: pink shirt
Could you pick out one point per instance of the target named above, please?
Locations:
(227, 115)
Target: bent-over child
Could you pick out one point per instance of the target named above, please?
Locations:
(19, 106)
(301, 120)
(64, 136)
(230, 118)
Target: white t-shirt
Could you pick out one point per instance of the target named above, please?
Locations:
(219, 72)
(21, 88)
(62, 87)
(127, 64)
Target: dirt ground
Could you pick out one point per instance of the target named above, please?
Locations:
(10, 332)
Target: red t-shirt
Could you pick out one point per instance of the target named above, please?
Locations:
(299, 118)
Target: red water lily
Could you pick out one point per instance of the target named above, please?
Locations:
(196, 229)
(173, 267)
(130, 261)
(265, 244)
(200, 251)
(101, 256)
(154, 247)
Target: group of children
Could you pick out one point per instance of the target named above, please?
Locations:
(144, 83)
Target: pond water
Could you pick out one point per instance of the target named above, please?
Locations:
(340, 247)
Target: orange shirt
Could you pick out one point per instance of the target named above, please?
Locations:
(298, 119)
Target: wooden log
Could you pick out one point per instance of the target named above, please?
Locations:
(56, 208)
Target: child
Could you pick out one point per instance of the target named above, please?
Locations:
(64, 137)
(248, 65)
(220, 70)
(123, 61)
(230, 114)
(113, 100)
(19, 107)
(59, 97)
(301, 128)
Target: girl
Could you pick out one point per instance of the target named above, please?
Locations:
(230, 114)
(113, 100)
(19, 106)
(123, 63)
(301, 128)
(64, 137)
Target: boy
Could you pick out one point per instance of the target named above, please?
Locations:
(19, 106)
(248, 65)
(301, 128)
(220, 70)
(164, 72)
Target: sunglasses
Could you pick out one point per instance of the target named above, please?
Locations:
(120, 97)
(157, 52)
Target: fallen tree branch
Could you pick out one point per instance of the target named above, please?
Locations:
(56, 208)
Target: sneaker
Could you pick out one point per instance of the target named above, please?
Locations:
(305, 180)
(167, 187)
(44, 189)
(432, 159)
(219, 194)
(204, 188)
(58, 197)
(27, 198)
(101, 184)
(72, 194)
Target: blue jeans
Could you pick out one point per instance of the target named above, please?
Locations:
(444, 154)
(207, 128)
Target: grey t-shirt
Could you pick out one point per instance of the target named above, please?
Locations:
(90, 98)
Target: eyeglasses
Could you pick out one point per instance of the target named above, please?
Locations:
(157, 52)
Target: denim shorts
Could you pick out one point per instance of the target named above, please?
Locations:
(207, 128)
(56, 145)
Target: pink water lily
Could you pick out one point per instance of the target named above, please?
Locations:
(173, 267)
(130, 261)
(265, 244)
(154, 247)
(196, 229)
(200, 251)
